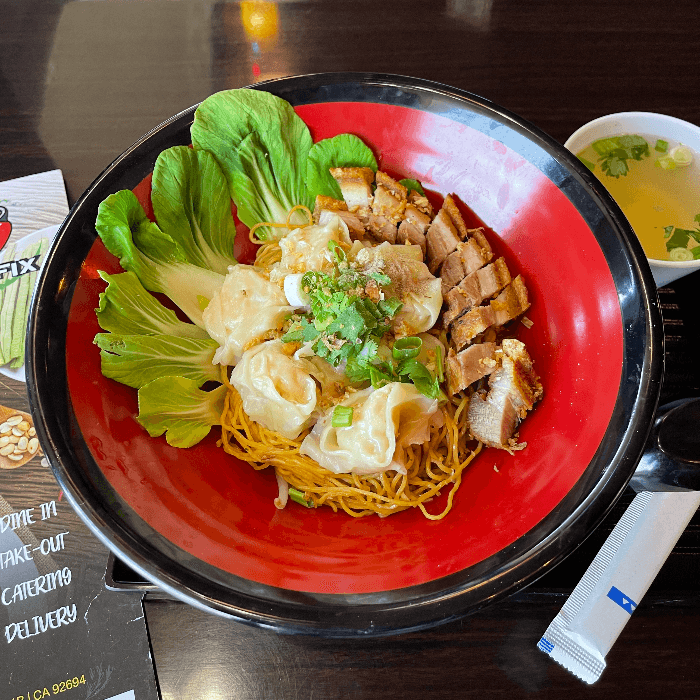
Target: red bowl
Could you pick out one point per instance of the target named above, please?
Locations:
(203, 526)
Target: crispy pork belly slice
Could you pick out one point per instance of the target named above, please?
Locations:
(509, 304)
(464, 329)
(389, 198)
(444, 234)
(417, 217)
(420, 202)
(513, 390)
(324, 203)
(466, 367)
(394, 186)
(380, 229)
(452, 271)
(408, 233)
(442, 239)
(356, 186)
(455, 216)
(325, 207)
(475, 288)
(469, 256)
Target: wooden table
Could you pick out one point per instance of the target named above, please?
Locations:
(81, 81)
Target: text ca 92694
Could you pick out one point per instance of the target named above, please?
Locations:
(54, 689)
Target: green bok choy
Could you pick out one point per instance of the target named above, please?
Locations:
(250, 147)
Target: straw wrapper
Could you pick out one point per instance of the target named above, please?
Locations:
(593, 617)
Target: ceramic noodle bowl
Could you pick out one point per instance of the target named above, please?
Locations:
(203, 526)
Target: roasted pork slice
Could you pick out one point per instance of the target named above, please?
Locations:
(509, 304)
(356, 187)
(444, 233)
(466, 367)
(409, 233)
(420, 201)
(482, 284)
(380, 229)
(389, 198)
(417, 217)
(325, 207)
(325, 203)
(514, 387)
(442, 239)
(469, 256)
(464, 329)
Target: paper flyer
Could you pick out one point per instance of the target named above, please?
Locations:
(62, 633)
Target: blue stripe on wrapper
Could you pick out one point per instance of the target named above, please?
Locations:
(624, 601)
(545, 645)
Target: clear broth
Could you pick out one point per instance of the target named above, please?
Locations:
(653, 198)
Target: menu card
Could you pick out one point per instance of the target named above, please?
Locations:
(62, 633)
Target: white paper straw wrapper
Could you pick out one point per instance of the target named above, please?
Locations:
(590, 621)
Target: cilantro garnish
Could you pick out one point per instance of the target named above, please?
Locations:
(347, 311)
(369, 367)
(615, 151)
(350, 314)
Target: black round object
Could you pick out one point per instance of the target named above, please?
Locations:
(112, 519)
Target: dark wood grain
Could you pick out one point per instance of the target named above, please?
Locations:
(488, 655)
(81, 81)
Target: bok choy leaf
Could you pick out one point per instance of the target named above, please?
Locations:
(192, 205)
(160, 263)
(342, 151)
(177, 407)
(127, 308)
(136, 360)
(262, 146)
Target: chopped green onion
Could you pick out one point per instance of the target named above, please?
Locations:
(661, 146)
(342, 417)
(337, 250)
(680, 255)
(407, 348)
(298, 497)
(666, 163)
(295, 334)
(682, 155)
(389, 307)
(439, 366)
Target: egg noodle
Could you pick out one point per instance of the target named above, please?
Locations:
(269, 251)
(430, 467)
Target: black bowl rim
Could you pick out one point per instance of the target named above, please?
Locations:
(387, 612)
